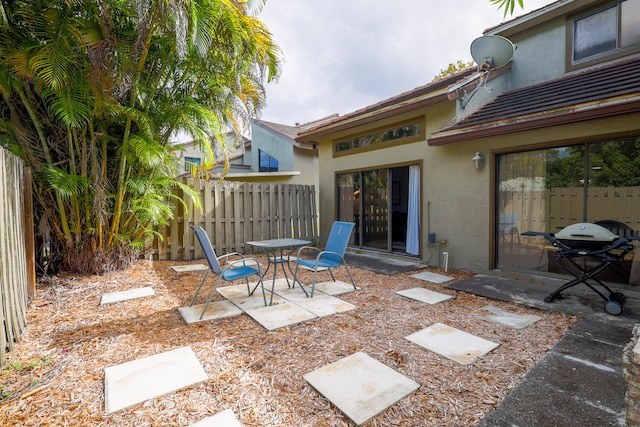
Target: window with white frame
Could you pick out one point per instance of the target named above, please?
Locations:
(605, 33)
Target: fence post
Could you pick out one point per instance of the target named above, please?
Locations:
(29, 232)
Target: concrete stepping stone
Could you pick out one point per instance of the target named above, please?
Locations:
(452, 343)
(112, 297)
(321, 304)
(189, 268)
(216, 310)
(332, 288)
(424, 295)
(280, 315)
(428, 276)
(225, 418)
(237, 294)
(133, 382)
(512, 320)
(360, 386)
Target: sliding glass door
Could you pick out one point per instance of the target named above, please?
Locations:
(547, 190)
(385, 206)
(375, 209)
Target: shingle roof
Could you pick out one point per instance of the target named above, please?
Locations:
(588, 90)
(392, 103)
(291, 132)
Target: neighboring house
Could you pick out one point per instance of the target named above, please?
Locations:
(272, 155)
(276, 156)
(191, 155)
(555, 135)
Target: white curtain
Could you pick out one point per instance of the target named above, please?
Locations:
(413, 215)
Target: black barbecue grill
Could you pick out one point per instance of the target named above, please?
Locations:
(589, 242)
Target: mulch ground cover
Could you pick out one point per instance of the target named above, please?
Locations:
(55, 375)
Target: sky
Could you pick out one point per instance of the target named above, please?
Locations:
(342, 55)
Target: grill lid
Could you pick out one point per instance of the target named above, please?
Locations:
(586, 232)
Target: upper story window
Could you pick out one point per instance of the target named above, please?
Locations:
(267, 163)
(605, 33)
(406, 132)
(190, 162)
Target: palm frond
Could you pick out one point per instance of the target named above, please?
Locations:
(63, 182)
(70, 105)
(508, 5)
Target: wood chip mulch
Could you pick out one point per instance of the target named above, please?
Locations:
(55, 374)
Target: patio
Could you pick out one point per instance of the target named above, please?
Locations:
(256, 373)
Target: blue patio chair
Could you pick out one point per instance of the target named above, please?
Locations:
(242, 268)
(331, 257)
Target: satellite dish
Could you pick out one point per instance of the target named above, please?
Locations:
(491, 52)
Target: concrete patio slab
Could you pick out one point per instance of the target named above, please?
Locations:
(333, 288)
(133, 382)
(424, 295)
(360, 386)
(216, 310)
(238, 291)
(225, 418)
(374, 261)
(280, 315)
(238, 296)
(321, 304)
(112, 297)
(512, 320)
(189, 268)
(452, 343)
(428, 276)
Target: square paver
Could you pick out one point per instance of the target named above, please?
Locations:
(280, 315)
(133, 382)
(189, 268)
(112, 297)
(225, 418)
(512, 320)
(360, 386)
(216, 310)
(424, 295)
(238, 296)
(428, 276)
(452, 343)
(332, 288)
(321, 304)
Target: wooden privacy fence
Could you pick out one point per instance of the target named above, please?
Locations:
(17, 273)
(556, 208)
(234, 213)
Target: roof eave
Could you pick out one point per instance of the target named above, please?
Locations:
(373, 116)
(538, 17)
(523, 123)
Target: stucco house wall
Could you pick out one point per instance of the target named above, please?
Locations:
(273, 145)
(457, 200)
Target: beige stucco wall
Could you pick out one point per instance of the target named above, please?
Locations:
(458, 196)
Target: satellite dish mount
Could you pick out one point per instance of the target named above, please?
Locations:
(489, 52)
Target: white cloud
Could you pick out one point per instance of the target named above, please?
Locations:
(340, 56)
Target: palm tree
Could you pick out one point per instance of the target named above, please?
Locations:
(92, 91)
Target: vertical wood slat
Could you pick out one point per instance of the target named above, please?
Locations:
(14, 255)
(247, 227)
(236, 212)
(274, 201)
(29, 232)
(238, 235)
(218, 220)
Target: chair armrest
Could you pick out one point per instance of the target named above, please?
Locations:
(323, 253)
(244, 261)
(230, 254)
(313, 248)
